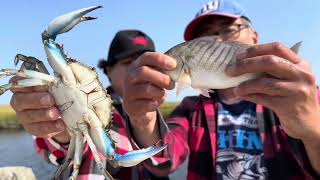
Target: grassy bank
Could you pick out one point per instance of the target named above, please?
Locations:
(8, 115)
(167, 107)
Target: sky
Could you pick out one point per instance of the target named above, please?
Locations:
(22, 22)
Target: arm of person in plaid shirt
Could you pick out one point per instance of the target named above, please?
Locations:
(144, 90)
(174, 133)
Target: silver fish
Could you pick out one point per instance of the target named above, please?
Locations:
(201, 64)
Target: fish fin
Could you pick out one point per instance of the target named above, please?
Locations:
(185, 77)
(180, 88)
(183, 82)
(295, 48)
(204, 92)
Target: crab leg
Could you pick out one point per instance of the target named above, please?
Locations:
(26, 73)
(22, 83)
(92, 146)
(66, 22)
(106, 146)
(96, 156)
(69, 157)
(58, 62)
(135, 157)
(79, 144)
(35, 79)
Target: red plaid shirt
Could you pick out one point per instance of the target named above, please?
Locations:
(193, 134)
(54, 153)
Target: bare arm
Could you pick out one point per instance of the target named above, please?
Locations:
(144, 91)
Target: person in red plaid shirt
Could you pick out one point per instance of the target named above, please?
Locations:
(36, 112)
(267, 128)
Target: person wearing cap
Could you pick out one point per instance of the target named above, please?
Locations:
(268, 128)
(37, 113)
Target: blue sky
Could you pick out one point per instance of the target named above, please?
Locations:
(286, 21)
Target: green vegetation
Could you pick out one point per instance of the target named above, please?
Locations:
(8, 117)
(166, 108)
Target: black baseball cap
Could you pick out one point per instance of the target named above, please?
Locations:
(125, 44)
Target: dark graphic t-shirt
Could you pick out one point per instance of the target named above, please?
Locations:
(240, 154)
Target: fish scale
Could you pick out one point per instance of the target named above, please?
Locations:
(205, 55)
(216, 54)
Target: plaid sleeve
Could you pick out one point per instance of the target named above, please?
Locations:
(49, 150)
(174, 133)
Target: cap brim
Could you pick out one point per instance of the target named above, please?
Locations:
(189, 31)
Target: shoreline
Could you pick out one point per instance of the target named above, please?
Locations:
(10, 124)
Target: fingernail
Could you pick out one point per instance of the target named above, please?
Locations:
(46, 100)
(242, 54)
(52, 114)
(60, 125)
(171, 64)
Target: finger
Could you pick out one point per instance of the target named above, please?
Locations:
(156, 60)
(45, 129)
(27, 89)
(32, 100)
(145, 91)
(275, 48)
(36, 116)
(145, 74)
(272, 65)
(265, 85)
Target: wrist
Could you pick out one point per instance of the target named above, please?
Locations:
(146, 130)
(63, 138)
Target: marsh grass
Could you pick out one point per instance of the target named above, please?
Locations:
(8, 117)
(166, 108)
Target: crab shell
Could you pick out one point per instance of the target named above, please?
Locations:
(87, 95)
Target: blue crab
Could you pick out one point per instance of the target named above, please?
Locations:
(83, 102)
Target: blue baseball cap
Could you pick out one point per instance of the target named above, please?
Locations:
(226, 8)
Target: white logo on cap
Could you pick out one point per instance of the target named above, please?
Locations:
(211, 6)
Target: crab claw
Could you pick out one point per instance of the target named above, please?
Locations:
(30, 63)
(5, 88)
(131, 158)
(66, 22)
(135, 157)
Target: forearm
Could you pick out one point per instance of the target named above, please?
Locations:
(146, 134)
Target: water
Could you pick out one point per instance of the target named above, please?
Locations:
(16, 148)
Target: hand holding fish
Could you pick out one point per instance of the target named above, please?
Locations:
(287, 87)
(144, 91)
